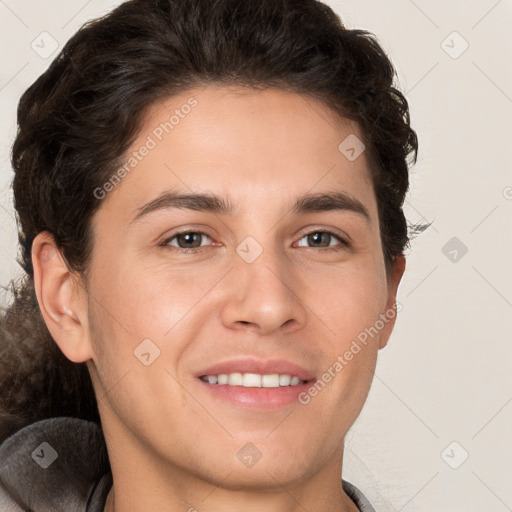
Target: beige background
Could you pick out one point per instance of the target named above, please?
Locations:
(445, 376)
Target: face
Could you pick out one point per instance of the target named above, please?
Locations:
(279, 274)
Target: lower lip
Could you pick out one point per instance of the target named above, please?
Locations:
(257, 398)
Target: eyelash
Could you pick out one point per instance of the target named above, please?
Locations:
(343, 243)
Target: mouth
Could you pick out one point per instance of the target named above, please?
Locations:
(254, 380)
(255, 383)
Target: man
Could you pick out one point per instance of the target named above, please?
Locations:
(237, 259)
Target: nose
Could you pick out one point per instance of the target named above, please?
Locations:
(263, 296)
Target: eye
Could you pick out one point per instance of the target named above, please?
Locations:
(324, 238)
(186, 240)
(190, 241)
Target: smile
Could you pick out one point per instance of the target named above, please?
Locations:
(254, 380)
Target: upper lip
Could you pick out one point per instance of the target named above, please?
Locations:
(255, 365)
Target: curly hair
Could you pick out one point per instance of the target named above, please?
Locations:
(78, 119)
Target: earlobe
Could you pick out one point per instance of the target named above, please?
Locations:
(391, 305)
(61, 299)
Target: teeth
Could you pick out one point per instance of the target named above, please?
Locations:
(253, 380)
(221, 379)
(284, 380)
(270, 381)
(236, 379)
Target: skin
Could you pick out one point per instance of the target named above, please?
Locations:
(171, 446)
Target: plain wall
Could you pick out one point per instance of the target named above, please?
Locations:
(445, 375)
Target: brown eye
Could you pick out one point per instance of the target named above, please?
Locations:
(323, 239)
(186, 240)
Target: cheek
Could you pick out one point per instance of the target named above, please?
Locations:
(149, 316)
(147, 302)
(348, 302)
(133, 358)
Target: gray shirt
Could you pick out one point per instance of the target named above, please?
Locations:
(61, 465)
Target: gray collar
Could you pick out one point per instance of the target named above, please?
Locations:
(39, 458)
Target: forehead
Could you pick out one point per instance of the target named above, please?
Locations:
(252, 146)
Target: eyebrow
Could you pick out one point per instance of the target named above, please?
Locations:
(208, 202)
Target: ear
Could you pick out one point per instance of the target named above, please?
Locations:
(391, 311)
(62, 299)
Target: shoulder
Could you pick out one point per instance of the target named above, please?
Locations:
(357, 497)
(52, 464)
